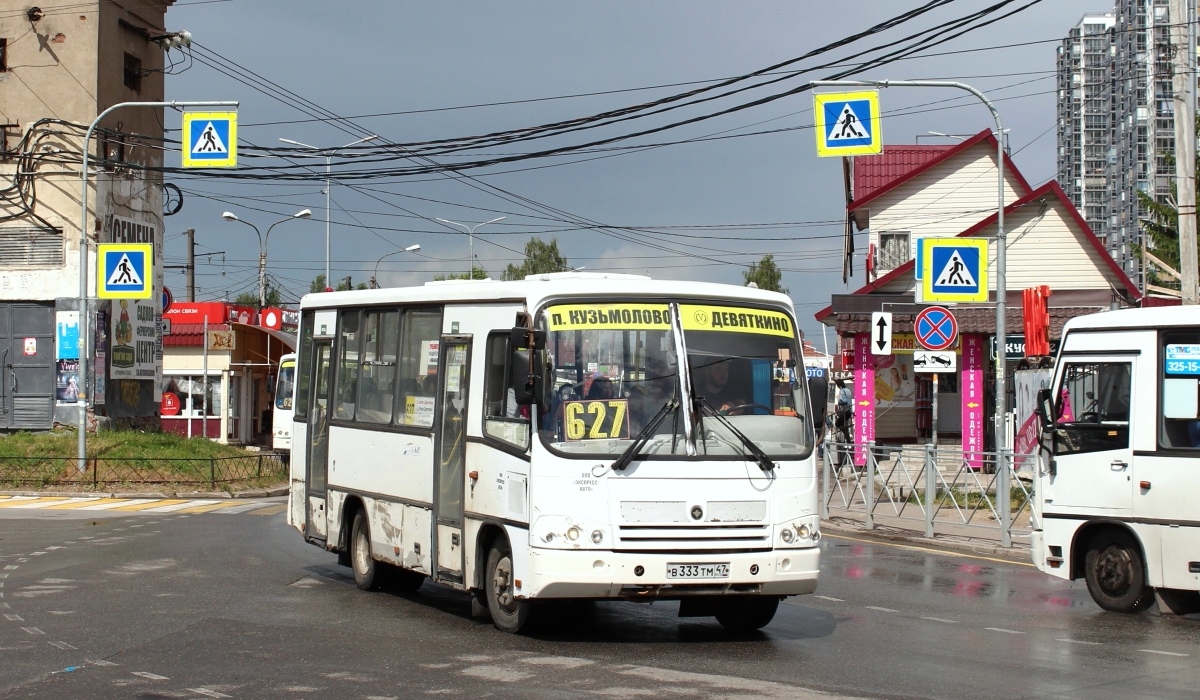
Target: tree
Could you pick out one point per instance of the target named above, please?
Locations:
(477, 273)
(273, 297)
(540, 258)
(1161, 226)
(318, 285)
(765, 275)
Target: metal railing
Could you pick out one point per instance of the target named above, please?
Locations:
(936, 487)
(16, 472)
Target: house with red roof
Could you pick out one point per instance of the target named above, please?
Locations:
(911, 192)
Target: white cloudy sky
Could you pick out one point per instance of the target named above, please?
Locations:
(715, 205)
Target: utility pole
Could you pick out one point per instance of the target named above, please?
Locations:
(1183, 82)
(191, 264)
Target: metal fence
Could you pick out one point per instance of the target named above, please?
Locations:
(108, 471)
(939, 488)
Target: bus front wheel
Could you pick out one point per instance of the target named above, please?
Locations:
(508, 613)
(746, 614)
(367, 575)
(1116, 574)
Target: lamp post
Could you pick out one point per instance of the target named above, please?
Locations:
(328, 153)
(411, 249)
(84, 349)
(471, 238)
(262, 248)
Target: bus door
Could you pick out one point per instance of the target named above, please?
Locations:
(1092, 450)
(450, 438)
(318, 439)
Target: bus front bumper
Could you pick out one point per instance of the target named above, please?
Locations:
(601, 574)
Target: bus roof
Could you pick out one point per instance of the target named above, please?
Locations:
(536, 289)
(1137, 318)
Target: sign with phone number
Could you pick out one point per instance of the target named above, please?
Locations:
(604, 419)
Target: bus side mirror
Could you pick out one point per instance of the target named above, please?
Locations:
(521, 337)
(528, 386)
(1045, 409)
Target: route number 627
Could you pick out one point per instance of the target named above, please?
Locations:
(596, 420)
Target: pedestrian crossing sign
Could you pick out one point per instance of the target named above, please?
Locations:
(954, 270)
(848, 123)
(209, 139)
(125, 270)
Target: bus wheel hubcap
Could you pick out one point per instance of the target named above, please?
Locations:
(1112, 571)
(502, 581)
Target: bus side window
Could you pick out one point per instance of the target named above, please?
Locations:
(420, 332)
(1093, 408)
(347, 365)
(503, 418)
(1179, 417)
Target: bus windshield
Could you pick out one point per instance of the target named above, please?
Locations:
(283, 386)
(616, 365)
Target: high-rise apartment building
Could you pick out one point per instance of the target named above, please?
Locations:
(1116, 127)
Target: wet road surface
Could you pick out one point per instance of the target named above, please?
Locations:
(207, 605)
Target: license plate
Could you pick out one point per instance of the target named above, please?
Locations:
(689, 571)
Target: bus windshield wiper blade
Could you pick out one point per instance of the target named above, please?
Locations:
(644, 436)
(764, 462)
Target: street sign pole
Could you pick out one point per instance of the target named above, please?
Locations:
(84, 322)
(1001, 242)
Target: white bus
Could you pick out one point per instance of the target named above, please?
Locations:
(282, 413)
(1116, 494)
(568, 436)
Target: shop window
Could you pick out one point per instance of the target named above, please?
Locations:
(419, 337)
(503, 419)
(377, 367)
(196, 400)
(349, 323)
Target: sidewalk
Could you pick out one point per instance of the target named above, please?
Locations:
(950, 537)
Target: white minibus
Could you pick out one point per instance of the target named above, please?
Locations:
(282, 413)
(1116, 492)
(567, 436)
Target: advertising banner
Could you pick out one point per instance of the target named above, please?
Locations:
(972, 401)
(135, 339)
(864, 397)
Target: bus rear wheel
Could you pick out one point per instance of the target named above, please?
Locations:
(367, 575)
(1116, 573)
(746, 614)
(508, 613)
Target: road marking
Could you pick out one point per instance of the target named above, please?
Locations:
(280, 508)
(51, 549)
(101, 662)
(208, 693)
(886, 610)
(235, 509)
(945, 552)
(1001, 629)
(149, 504)
(1079, 641)
(180, 506)
(151, 676)
(30, 502)
(829, 597)
(106, 504)
(61, 645)
(208, 506)
(33, 630)
(74, 503)
(14, 618)
(940, 619)
(1164, 653)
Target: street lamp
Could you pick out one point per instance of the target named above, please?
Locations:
(471, 238)
(262, 247)
(411, 249)
(328, 153)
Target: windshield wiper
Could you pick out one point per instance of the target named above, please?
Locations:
(644, 436)
(764, 462)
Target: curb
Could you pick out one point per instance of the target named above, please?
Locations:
(1017, 555)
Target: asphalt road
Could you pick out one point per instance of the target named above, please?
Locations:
(236, 605)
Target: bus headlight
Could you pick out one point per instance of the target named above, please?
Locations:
(573, 534)
(804, 532)
(787, 535)
(597, 536)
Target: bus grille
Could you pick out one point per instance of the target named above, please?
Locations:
(702, 536)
